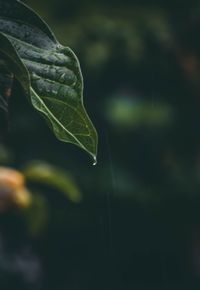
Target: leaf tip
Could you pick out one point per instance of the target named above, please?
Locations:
(94, 160)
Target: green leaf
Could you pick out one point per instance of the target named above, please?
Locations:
(44, 173)
(49, 73)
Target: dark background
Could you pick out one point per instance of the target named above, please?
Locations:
(138, 224)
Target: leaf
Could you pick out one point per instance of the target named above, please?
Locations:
(44, 173)
(49, 73)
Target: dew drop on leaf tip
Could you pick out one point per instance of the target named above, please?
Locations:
(94, 160)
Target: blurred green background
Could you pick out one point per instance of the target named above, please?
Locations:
(133, 220)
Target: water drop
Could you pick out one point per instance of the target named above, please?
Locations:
(95, 161)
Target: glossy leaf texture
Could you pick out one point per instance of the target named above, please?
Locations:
(49, 73)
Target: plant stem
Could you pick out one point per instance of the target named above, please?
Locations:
(6, 82)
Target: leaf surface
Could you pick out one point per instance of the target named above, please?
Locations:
(49, 73)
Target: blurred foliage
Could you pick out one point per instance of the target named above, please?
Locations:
(44, 173)
(127, 113)
(137, 224)
(5, 155)
(12, 189)
(37, 174)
